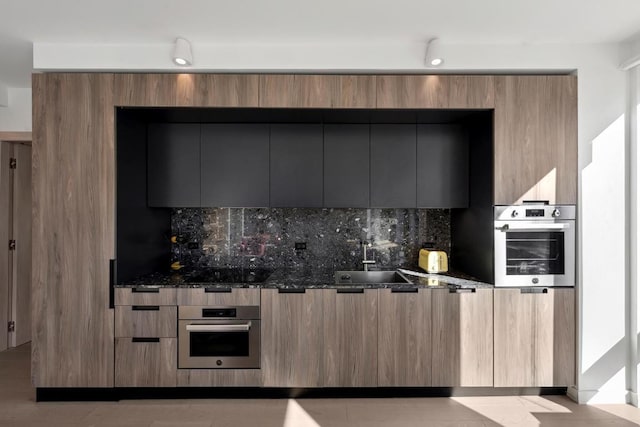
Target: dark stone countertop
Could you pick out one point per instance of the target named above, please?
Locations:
(300, 278)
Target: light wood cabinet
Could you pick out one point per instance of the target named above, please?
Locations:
(404, 338)
(536, 139)
(219, 296)
(73, 230)
(462, 340)
(534, 337)
(146, 321)
(219, 378)
(145, 296)
(317, 91)
(292, 339)
(146, 362)
(350, 329)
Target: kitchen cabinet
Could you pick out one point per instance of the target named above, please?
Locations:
(534, 337)
(393, 166)
(218, 296)
(173, 154)
(296, 165)
(462, 340)
(234, 165)
(145, 296)
(404, 338)
(536, 140)
(146, 321)
(317, 91)
(219, 378)
(346, 165)
(350, 329)
(292, 338)
(443, 166)
(146, 362)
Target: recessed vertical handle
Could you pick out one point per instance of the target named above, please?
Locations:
(112, 282)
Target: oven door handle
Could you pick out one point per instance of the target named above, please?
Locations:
(532, 227)
(220, 328)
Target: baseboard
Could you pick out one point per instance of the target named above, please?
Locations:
(584, 397)
(632, 398)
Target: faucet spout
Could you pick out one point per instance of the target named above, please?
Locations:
(366, 262)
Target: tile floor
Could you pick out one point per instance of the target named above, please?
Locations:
(18, 408)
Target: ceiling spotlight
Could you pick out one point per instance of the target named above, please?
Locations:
(433, 54)
(182, 52)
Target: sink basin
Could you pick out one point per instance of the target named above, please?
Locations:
(361, 277)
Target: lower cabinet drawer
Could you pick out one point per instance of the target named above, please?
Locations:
(146, 321)
(146, 362)
(219, 377)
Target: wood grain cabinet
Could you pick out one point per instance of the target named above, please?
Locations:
(218, 296)
(350, 329)
(534, 337)
(292, 339)
(462, 339)
(149, 321)
(404, 338)
(146, 362)
(536, 140)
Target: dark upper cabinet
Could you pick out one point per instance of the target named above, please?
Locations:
(393, 166)
(235, 165)
(346, 166)
(173, 153)
(443, 166)
(296, 165)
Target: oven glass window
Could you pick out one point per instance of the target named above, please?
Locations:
(535, 252)
(219, 344)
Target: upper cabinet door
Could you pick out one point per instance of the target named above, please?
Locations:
(173, 152)
(435, 91)
(235, 165)
(393, 166)
(536, 142)
(296, 165)
(317, 91)
(443, 166)
(346, 166)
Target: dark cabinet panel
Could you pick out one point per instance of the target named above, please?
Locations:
(296, 165)
(443, 166)
(173, 165)
(393, 166)
(235, 165)
(346, 166)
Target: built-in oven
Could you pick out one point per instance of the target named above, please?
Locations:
(218, 337)
(535, 245)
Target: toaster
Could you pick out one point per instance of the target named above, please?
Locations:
(433, 261)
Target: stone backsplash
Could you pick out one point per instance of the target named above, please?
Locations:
(305, 238)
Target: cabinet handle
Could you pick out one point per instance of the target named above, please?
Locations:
(217, 290)
(145, 290)
(292, 290)
(145, 308)
(534, 291)
(351, 291)
(139, 339)
(462, 291)
(404, 290)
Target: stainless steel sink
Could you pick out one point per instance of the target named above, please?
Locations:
(361, 277)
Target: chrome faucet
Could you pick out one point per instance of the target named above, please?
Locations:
(366, 262)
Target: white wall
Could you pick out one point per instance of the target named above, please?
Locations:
(17, 115)
(603, 335)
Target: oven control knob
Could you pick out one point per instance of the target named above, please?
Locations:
(514, 214)
(219, 362)
(555, 213)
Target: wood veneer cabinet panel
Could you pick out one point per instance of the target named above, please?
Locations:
(535, 149)
(317, 91)
(404, 338)
(435, 91)
(146, 364)
(292, 341)
(146, 321)
(73, 230)
(462, 341)
(219, 377)
(200, 296)
(187, 90)
(350, 338)
(145, 296)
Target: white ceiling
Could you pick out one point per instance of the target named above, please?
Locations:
(24, 22)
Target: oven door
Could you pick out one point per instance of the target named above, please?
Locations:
(535, 253)
(218, 344)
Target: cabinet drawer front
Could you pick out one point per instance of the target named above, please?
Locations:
(219, 378)
(146, 363)
(145, 296)
(146, 321)
(220, 297)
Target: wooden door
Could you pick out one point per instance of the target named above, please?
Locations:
(404, 338)
(73, 230)
(350, 328)
(292, 342)
(5, 219)
(462, 340)
(536, 141)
